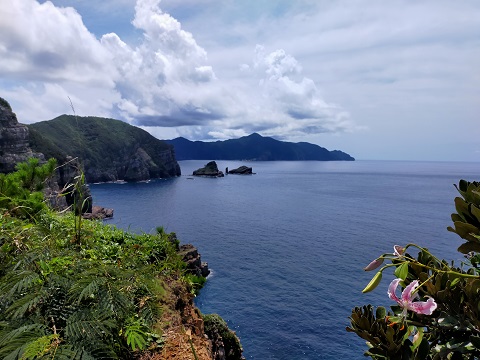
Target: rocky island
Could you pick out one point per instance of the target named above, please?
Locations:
(209, 170)
(242, 170)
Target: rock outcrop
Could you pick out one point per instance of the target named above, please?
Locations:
(15, 148)
(98, 213)
(14, 140)
(242, 170)
(210, 170)
(192, 258)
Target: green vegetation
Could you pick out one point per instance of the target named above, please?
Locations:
(65, 299)
(107, 148)
(438, 313)
(20, 192)
(5, 103)
(216, 327)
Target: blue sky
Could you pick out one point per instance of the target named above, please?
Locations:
(395, 80)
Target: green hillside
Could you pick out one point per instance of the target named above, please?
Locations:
(108, 149)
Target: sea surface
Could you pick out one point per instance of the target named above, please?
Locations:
(287, 245)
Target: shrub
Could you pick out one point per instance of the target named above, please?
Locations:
(437, 315)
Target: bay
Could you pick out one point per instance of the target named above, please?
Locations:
(287, 245)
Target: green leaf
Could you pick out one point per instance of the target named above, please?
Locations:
(380, 313)
(401, 271)
(469, 246)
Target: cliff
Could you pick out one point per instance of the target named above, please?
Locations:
(254, 147)
(14, 140)
(145, 291)
(108, 149)
(15, 148)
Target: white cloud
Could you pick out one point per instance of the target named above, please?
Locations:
(191, 68)
(41, 42)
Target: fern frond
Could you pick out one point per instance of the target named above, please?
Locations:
(85, 288)
(69, 352)
(88, 324)
(25, 304)
(112, 300)
(14, 341)
(39, 347)
(19, 282)
(136, 338)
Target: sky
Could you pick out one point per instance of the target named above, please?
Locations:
(380, 80)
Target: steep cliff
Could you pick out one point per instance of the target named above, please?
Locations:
(15, 147)
(108, 149)
(14, 140)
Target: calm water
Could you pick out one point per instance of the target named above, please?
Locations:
(287, 245)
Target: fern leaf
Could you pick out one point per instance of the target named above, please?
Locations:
(25, 304)
(88, 324)
(39, 347)
(13, 341)
(136, 337)
(19, 282)
(85, 289)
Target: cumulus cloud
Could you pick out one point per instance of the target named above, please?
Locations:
(41, 42)
(164, 80)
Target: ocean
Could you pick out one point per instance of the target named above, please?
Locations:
(287, 245)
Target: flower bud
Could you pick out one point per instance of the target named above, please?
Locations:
(374, 264)
(373, 283)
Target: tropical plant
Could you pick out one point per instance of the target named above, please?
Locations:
(20, 191)
(58, 300)
(437, 314)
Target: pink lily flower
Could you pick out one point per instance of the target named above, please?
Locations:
(407, 299)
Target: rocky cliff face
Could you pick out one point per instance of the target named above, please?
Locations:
(108, 149)
(136, 166)
(15, 148)
(14, 140)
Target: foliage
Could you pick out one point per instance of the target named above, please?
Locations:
(20, 191)
(217, 328)
(5, 103)
(101, 144)
(447, 329)
(100, 300)
(466, 221)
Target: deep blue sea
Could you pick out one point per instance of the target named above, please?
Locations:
(288, 244)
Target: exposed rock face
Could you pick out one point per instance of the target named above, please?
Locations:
(192, 258)
(187, 329)
(225, 344)
(14, 140)
(98, 213)
(242, 170)
(211, 170)
(15, 148)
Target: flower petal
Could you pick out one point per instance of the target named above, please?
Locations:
(423, 307)
(407, 293)
(392, 288)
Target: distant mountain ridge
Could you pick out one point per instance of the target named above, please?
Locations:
(253, 147)
(109, 149)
